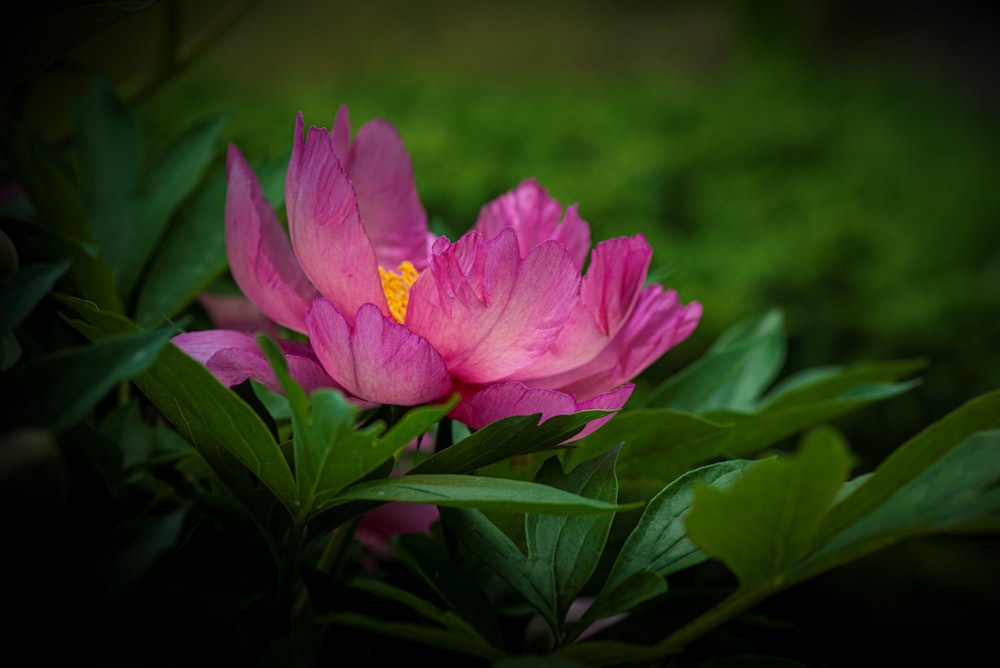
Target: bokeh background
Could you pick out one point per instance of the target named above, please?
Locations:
(836, 159)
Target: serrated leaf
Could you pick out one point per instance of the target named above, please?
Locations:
(516, 435)
(466, 491)
(770, 517)
(58, 389)
(220, 425)
(563, 551)
(732, 373)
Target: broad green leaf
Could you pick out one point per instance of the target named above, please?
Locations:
(191, 256)
(506, 438)
(960, 486)
(465, 491)
(657, 446)
(637, 588)
(176, 171)
(499, 552)
(768, 519)
(658, 544)
(220, 425)
(820, 384)
(732, 373)
(330, 452)
(61, 222)
(22, 292)
(111, 164)
(752, 433)
(912, 458)
(563, 551)
(58, 389)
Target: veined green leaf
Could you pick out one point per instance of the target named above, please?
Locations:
(658, 544)
(516, 435)
(465, 491)
(767, 520)
(220, 425)
(657, 446)
(959, 487)
(732, 373)
(563, 551)
(58, 389)
(191, 256)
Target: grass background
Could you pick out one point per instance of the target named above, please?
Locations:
(835, 159)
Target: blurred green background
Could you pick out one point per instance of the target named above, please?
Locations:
(836, 159)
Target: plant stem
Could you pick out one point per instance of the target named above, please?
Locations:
(725, 610)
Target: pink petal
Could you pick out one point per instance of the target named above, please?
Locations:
(658, 323)
(380, 169)
(512, 398)
(608, 293)
(329, 239)
(535, 218)
(234, 357)
(486, 310)
(377, 359)
(260, 257)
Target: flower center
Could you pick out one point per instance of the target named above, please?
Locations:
(397, 288)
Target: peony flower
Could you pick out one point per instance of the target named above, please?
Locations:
(505, 316)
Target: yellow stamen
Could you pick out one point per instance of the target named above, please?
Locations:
(397, 288)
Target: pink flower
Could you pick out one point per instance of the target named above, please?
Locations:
(502, 316)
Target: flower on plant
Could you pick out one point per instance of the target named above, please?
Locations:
(505, 316)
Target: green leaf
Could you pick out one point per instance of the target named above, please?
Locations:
(499, 552)
(176, 171)
(465, 491)
(111, 163)
(22, 292)
(910, 460)
(61, 221)
(460, 589)
(732, 373)
(191, 256)
(769, 518)
(657, 446)
(658, 544)
(330, 453)
(58, 389)
(220, 425)
(959, 487)
(506, 438)
(563, 551)
(820, 384)
(636, 588)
